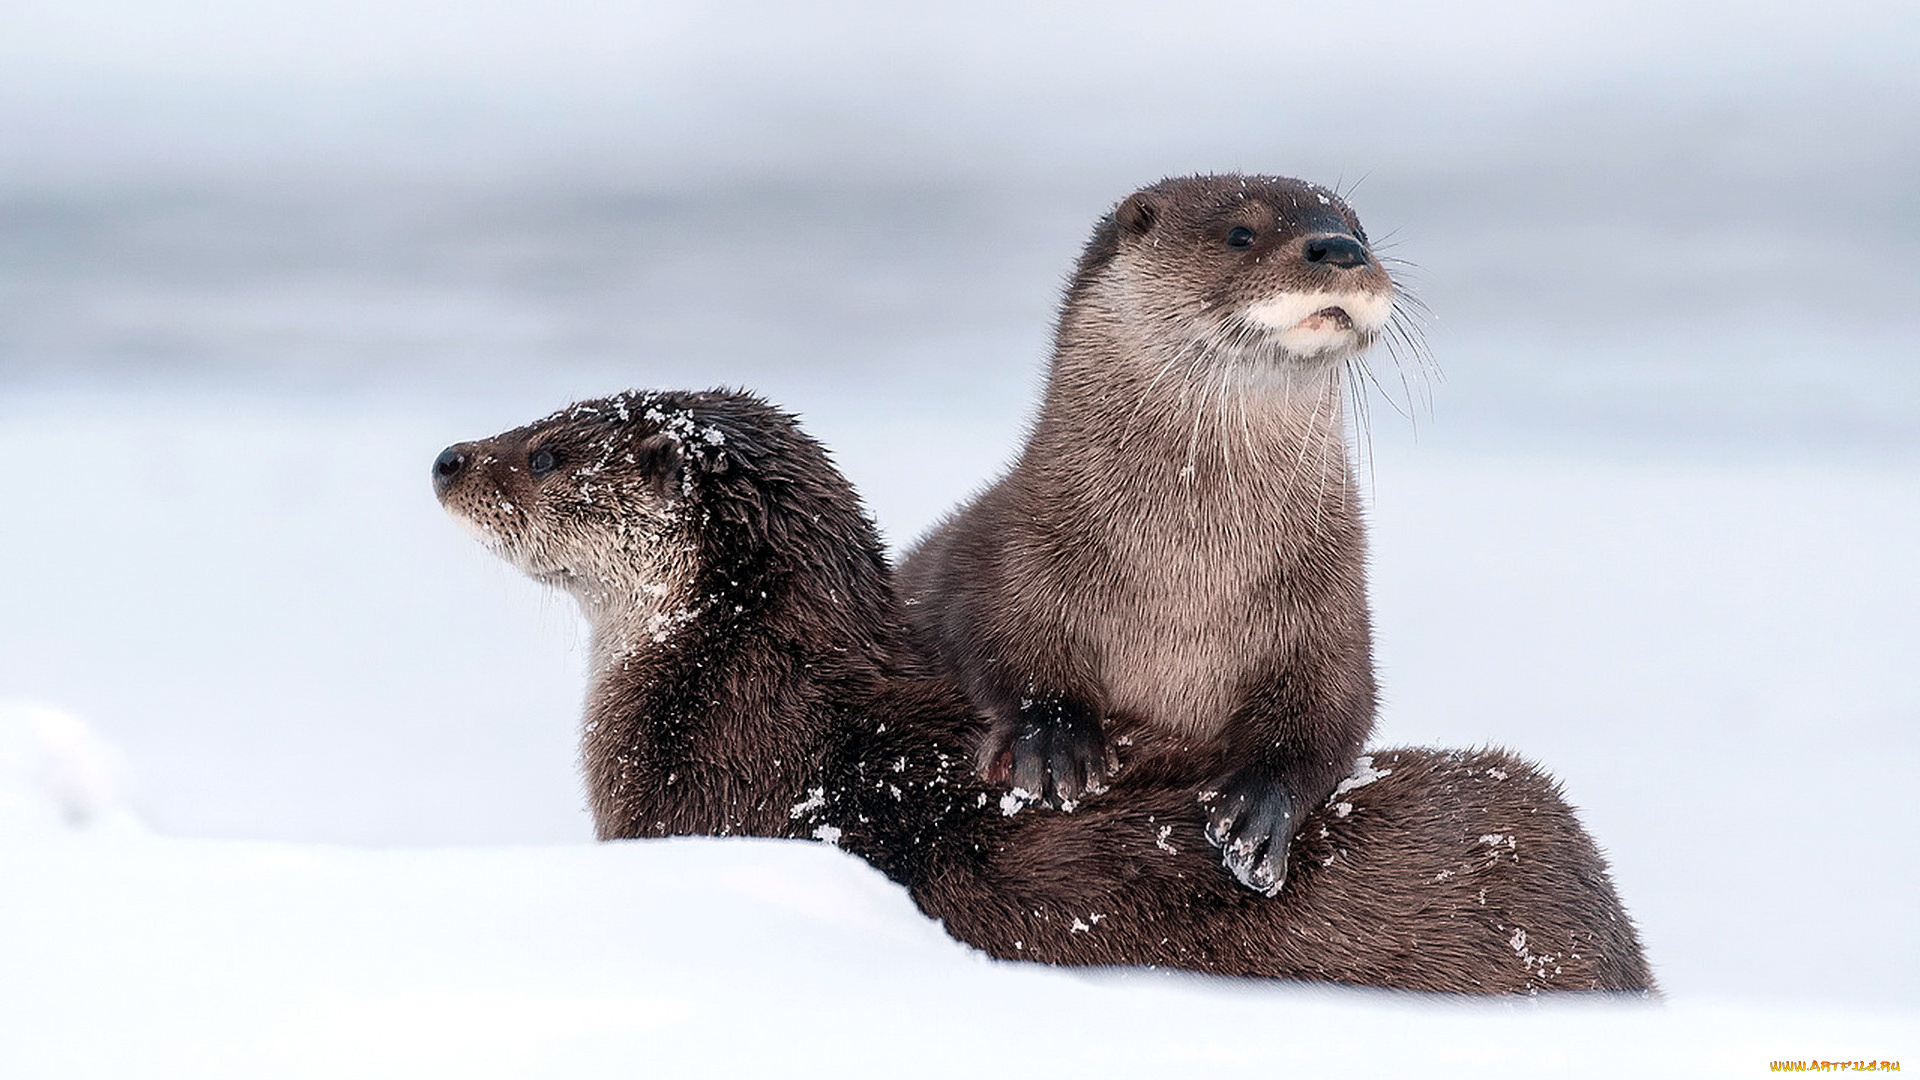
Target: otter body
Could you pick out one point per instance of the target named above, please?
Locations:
(754, 675)
(1177, 556)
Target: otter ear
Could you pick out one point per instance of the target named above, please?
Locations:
(660, 461)
(1138, 213)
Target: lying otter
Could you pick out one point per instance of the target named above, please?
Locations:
(752, 675)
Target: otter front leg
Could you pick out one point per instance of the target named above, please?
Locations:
(1251, 818)
(1050, 745)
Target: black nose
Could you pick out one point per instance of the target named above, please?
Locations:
(448, 465)
(1341, 251)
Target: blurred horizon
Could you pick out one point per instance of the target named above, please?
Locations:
(1687, 224)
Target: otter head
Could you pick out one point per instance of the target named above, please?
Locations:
(1273, 270)
(600, 499)
(661, 510)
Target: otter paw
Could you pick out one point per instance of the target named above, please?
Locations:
(1055, 751)
(1250, 819)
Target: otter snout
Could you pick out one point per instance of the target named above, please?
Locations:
(448, 467)
(1338, 250)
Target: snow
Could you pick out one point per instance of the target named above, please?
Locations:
(1363, 774)
(127, 954)
(55, 769)
(816, 798)
(1016, 800)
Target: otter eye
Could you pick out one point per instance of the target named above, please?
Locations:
(1239, 236)
(541, 462)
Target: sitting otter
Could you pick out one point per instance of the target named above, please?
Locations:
(753, 675)
(1178, 553)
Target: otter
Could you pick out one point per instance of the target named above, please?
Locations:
(1176, 557)
(753, 674)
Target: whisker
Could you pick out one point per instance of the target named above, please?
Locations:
(1424, 373)
(1332, 392)
(1363, 447)
(1364, 369)
(1409, 326)
(1414, 384)
(1246, 431)
(1193, 455)
(1226, 447)
(1196, 346)
(1363, 427)
(1306, 439)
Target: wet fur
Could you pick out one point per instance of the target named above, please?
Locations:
(1178, 551)
(790, 702)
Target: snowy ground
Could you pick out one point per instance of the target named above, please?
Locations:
(193, 958)
(286, 761)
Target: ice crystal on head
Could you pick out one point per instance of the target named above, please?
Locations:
(1342, 809)
(685, 432)
(1497, 774)
(829, 833)
(1162, 842)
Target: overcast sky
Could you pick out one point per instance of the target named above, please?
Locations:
(92, 80)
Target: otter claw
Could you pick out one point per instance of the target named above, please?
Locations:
(1250, 820)
(1055, 750)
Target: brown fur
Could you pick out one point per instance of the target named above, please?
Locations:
(774, 692)
(1177, 554)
